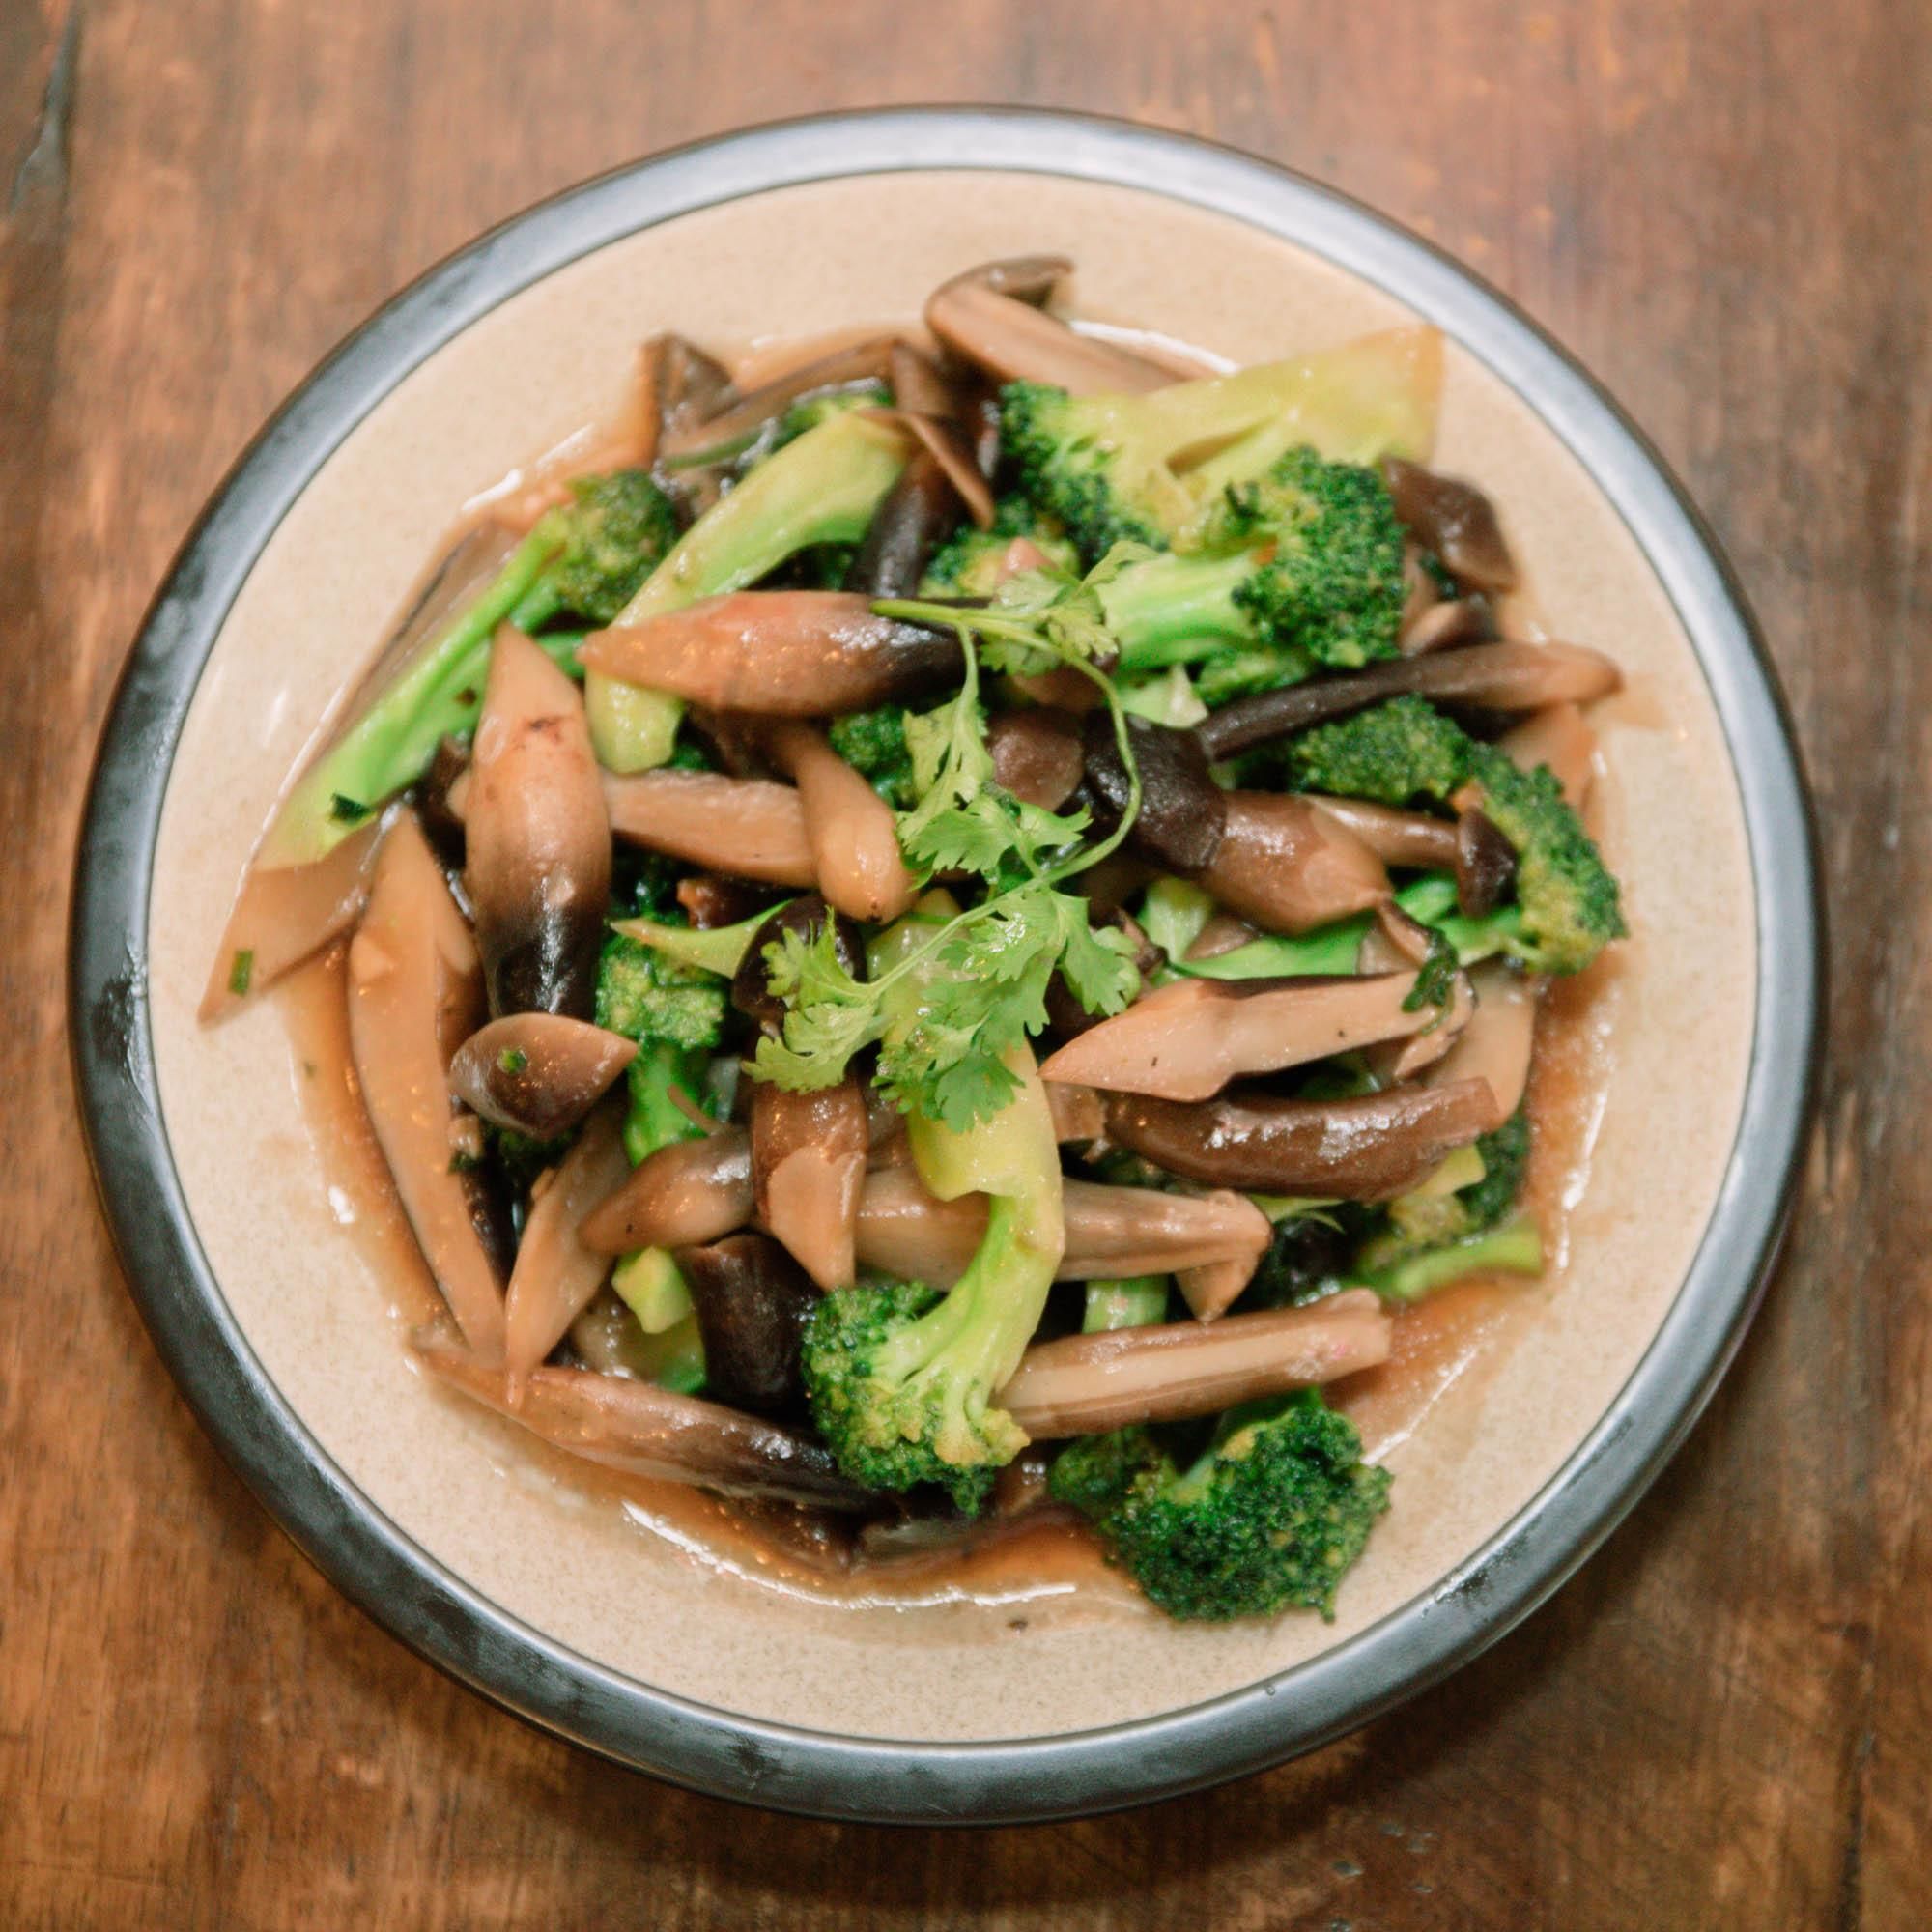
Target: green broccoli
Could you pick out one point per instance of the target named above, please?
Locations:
(1438, 1216)
(1268, 1519)
(821, 489)
(1514, 1248)
(808, 412)
(1299, 568)
(901, 1380)
(1567, 906)
(1135, 1301)
(1144, 467)
(873, 743)
(582, 559)
(676, 1015)
(968, 563)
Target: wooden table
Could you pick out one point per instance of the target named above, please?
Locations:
(1727, 1718)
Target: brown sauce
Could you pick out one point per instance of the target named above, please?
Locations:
(1037, 1564)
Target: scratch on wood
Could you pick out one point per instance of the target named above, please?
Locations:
(44, 166)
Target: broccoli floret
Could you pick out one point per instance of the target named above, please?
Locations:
(902, 1381)
(1567, 907)
(582, 558)
(967, 565)
(1143, 467)
(676, 1015)
(821, 489)
(1416, 1223)
(1300, 568)
(873, 743)
(1268, 1519)
(808, 412)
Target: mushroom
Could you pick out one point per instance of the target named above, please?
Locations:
(539, 1073)
(681, 386)
(739, 418)
(1488, 677)
(709, 900)
(747, 827)
(779, 653)
(536, 838)
(1036, 754)
(1187, 1040)
(414, 990)
(1449, 626)
(1112, 1232)
(1455, 521)
(1273, 859)
(918, 513)
(284, 915)
(1084, 1385)
(1558, 736)
(1015, 341)
(853, 835)
(685, 1194)
(555, 1275)
(1396, 837)
(1495, 1046)
(1078, 1112)
(752, 994)
(1366, 1148)
(751, 1300)
(644, 1431)
(809, 1158)
(1485, 864)
(943, 444)
(1222, 933)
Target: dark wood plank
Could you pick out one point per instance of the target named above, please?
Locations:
(1727, 1718)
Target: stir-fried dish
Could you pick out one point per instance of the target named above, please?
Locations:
(959, 930)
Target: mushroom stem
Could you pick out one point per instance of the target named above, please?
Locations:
(645, 1431)
(854, 838)
(1396, 837)
(808, 1154)
(1287, 866)
(1559, 737)
(414, 990)
(555, 1275)
(1014, 342)
(683, 1194)
(778, 653)
(746, 827)
(1084, 1385)
(1494, 1045)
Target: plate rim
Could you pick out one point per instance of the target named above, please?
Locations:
(784, 1767)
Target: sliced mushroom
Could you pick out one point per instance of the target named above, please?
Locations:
(1222, 933)
(1084, 1385)
(1489, 677)
(1186, 1040)
(286, 913)
(645, 1431)
(743, 826)
(1036, 754)
(1395, 837)
(536, 838)
(1182, 815)
(1394, 1061)
(1559, 737)
(681, 387)
(683, 1194)
(555, 1275)
(1450, 626)
(1485, 864)
(1028, 278)
(1366, 1148)
(944, 442)
(809, 1156)
(918, 513)
(1495, 1046)
(1014, 342)
(1213, 1288)
(1078, 1112)
(539, 1073)
(1284, 865)
(1110, 1232)
(1455, 521)
(779, 653)
(414, 990)
(716, 438)
(710, 901)
(751, 1300)
(853, 835)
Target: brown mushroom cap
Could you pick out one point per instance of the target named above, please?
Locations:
(1396, 837)
(645, 1431)
(1014, 342)
(537, 841)
(738, 418)
(1083, 1384)
(414, 990)
(808, 1155)
(1036, 754)
(778, 653)
(683, 1194)
(1455, 521)
(1287, 866)
(1366, 1148)
(751, 1300)
(539, 1073)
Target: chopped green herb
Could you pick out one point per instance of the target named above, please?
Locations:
(513, 1060)
(242, 971)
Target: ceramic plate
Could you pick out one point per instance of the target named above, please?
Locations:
(466, 1542)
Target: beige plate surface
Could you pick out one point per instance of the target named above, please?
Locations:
(463, 1485)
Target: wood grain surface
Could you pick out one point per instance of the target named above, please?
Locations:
(1726, 1720)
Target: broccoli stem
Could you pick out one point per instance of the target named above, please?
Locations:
(1514, 1248)
(1170, 609)
(1136, 1303)
(648, 1278)
(390, 744)
(821, 488)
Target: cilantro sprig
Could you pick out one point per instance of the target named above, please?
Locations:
(951, 1005)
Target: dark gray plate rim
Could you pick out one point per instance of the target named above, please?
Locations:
(434, 1611)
